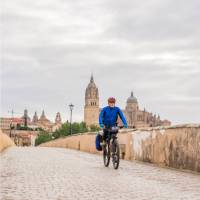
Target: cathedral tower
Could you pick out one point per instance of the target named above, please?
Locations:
(35, 118)
(91, 109)
(58, 119)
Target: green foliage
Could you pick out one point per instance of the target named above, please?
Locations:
(39, 129)
(23, 128)
(43, 137)
(94, 128)
(64, 130)
(83, 127)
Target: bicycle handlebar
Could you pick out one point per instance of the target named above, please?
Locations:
(114, 128)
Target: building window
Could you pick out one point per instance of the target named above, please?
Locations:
(140, 118)
(93, 103)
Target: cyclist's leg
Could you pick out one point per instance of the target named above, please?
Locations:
(105, 134)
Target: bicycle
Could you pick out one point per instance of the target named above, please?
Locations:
(111, 147)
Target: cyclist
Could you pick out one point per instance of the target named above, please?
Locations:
(109, 115)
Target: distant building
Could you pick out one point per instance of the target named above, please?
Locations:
(27, 137)
(35, 119)
(135, 117)
(7, 122)
(16, 121)
(91, 109)
(58, 119)
(58, 122)
(26, 118)
(141, 118)
(43, 122)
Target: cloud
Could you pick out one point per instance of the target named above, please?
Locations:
(50, 48)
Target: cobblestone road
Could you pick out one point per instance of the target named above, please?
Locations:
(61, 174)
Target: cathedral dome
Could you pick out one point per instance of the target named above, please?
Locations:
(132, 99)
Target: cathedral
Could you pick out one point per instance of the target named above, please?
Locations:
(91, 110)
(135, 117)
(42, 121)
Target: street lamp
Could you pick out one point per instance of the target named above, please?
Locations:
(71, 106)
(11, 122)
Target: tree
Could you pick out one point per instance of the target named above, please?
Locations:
(42, 138)
(94, 128)
(63, 131)
(83, 127)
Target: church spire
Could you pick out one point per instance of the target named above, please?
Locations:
(92, 78)
(35, 118)
(91, 93)
(42, 115)
(131, 93)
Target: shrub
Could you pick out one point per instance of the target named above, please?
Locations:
(42, 138)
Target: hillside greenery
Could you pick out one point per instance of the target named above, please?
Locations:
(64, 131)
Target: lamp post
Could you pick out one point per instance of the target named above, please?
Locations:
(71, 106)
(11, 122)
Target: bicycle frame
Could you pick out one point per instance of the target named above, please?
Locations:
(111, 148)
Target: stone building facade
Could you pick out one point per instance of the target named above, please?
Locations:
(36, 122)
(27, 137)
(91, 109)
(45, 123)
(135, 117)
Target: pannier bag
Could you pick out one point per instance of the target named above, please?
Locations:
(98, 141)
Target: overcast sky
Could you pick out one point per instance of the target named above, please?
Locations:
(50, 48)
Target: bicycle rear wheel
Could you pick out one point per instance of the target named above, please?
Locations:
(115, 154)
(106, 155)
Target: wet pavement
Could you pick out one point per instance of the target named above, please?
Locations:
(61, 174)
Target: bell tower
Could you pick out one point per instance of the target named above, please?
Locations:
(91, 109)
(58, 119)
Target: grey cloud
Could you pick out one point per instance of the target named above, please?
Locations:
(51, 47)
(156, 20)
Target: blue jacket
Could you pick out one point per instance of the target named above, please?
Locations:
(108, 117)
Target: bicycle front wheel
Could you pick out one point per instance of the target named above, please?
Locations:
(115, 154)
(106, 155)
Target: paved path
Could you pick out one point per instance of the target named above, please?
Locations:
(61, 174)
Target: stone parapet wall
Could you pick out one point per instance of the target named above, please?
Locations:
(86, 143)
(174, 146)
(5, 141)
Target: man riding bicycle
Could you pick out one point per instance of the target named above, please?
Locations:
(109, 115)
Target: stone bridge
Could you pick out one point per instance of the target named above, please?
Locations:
(40, 173)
